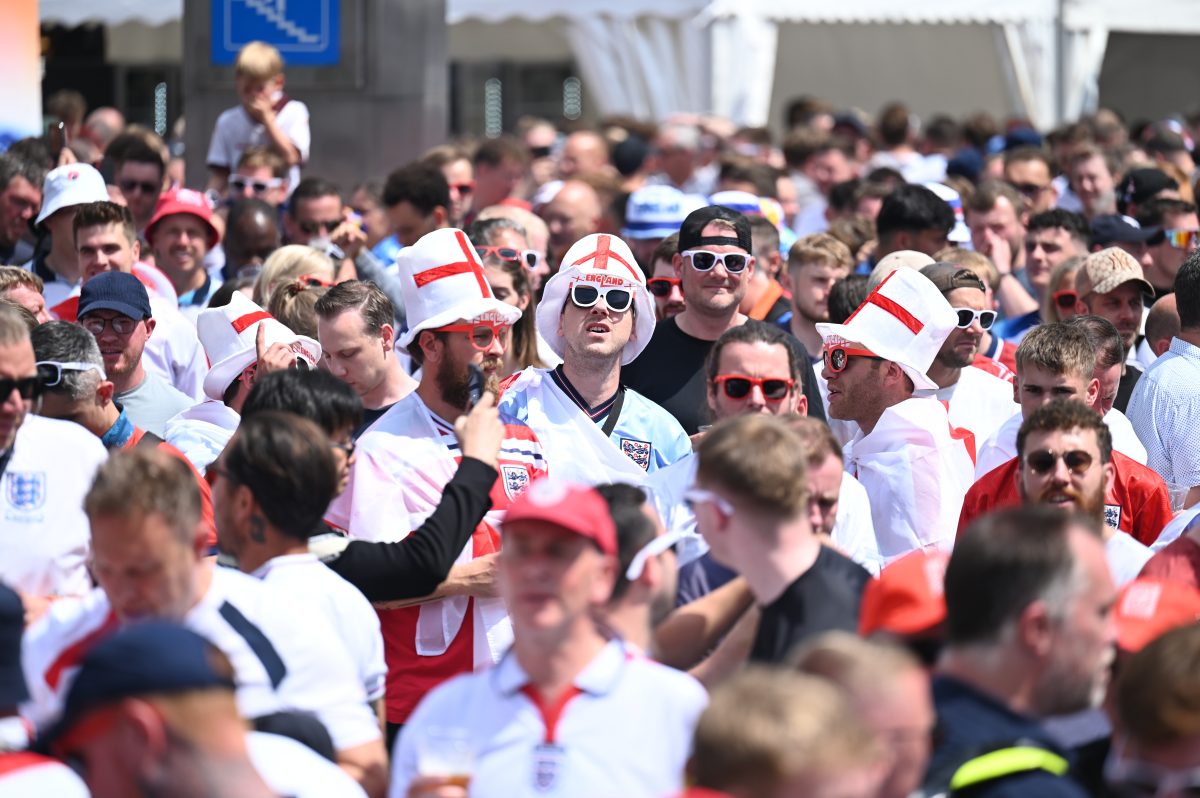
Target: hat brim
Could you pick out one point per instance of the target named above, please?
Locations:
(225, 371)
(214, 237)
(124, 308)
(920, 379)
(554, 297)
(471, 309)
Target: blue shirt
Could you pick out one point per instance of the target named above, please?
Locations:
(1012, 329)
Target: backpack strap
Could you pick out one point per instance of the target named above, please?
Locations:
(1005, 762)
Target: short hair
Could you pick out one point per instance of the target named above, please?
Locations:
(989, 192)
(665, 250)
(494, 152)
(756, 332)
(132, 146)
(147, 480)
(759, 461)
(365, 297)
(1002, 563)
(913, 208)
(444, 154)
(1160, 322)
(634, 528)
(764, 237)
(12, 166)
(894, 125)
(846, 295)
(855, 231)
(820, 249)
(288, 263)
(1157, 694)
(1154, 213)
(316, 395)
(483, 231)
(258, 61)
(859, 667)
(943, 133)
(1076, 224)
(766, 726)
(311, 188)
(1061, 415)
(972, 261)
(801, 145)
(101, 214)
(68, 105)
(26, 315)
(1025, 155)
(817, 439)
(287, 463)
(64, 342)
(739, 169)
(248, 206)
(1059, 349)
(1106, 341)
(263, 158)
(1187, 292)
(422, 185)
(293, 304)
(13, 329)
(16, 277)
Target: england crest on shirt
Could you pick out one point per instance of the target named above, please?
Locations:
(637, 451)
(516, 479)
(25, 490)
(1112, 515)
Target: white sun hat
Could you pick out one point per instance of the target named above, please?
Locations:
(905, 320)
(229, 337)
(605, 261)
(70, 185)
(442, 279)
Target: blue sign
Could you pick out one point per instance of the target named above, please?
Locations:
(306, 32)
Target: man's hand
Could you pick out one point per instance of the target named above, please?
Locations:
(276, 357)
(349, 238)
(999, 250)
(480, 432)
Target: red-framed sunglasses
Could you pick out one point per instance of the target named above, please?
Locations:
(738, 386)
(836, 356)
(1066, 299)
(661, 286)
(481, 333)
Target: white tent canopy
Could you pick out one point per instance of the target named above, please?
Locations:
(653, 58)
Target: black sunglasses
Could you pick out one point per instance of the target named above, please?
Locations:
(27, 387)
(1044, 460)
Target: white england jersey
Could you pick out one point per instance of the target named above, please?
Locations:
(979, 403)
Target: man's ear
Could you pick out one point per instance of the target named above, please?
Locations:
(105, 391)
(677, 265)
(441, 216)
(388, 335)
(136, 249)
(1035, 629)
(431, 346)
(1092, 392)
(150, 325)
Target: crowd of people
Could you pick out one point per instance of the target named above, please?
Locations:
(645, 459)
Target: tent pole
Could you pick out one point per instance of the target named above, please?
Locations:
(1060, 63)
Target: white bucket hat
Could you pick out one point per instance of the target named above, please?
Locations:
(905, 320)
(229, 337)
(657, 211)
(73, 184)
(443, 281)
(607, 261)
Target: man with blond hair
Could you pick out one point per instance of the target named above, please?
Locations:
(25, 289)
(814, 264)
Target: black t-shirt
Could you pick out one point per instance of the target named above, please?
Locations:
(1125, 387)
(825, 597)
(670, 372)
(369, 418)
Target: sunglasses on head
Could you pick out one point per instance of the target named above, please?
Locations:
(1044, 460)
(527, 256)
(138, 186)
(618, 300)
(661, 286)
(1182, 239)
(703, 260)
(967, 316)
(50, 372)
(738, 386)
(482, 333)
(315, 226)
(1065, 299)
(240, 183)
(837, 356)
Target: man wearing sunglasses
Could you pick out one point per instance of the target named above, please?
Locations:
(915, 465)
(314, 211)
(412, 452)
(47, 466)
(978, 402)
(596, 315)
(138, 173)
(1180, 226)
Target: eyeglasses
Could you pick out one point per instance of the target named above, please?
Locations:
(836, 356)
(1182, 239)
(659, 545)
(967, 316)
(482, 334)
(121, 325)
(1065, 299)
(1030, 189)
(694, 496)
(239, 183)
(50, 372)
(136, 186)
(737, 386)
(618, 300)
(703, 260)
(661, 286)
(27, 387)
(463, 188)
(527, 256)
(313, 227)
(1044, 460)
(345, 447)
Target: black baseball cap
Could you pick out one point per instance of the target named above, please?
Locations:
(690, 233)
(1113, 228)
(949, 276)
(1141, 185)
(116, 291)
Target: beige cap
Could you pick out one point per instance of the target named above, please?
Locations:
(902, 259)
(1105, 270)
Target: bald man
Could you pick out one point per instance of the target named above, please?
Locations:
(585, 152)
(1162, 324)
(574, 213)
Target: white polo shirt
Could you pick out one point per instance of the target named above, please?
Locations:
(344, 606)
(284, 654)
(625, 729)
(44, 533)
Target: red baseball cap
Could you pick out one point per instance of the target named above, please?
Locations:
(1149, 608)
(184, 200)
(570, 507)
(907, 598)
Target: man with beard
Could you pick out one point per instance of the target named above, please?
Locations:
(977, 401)
(1029, 635)
(596, 315)
(1111, 285)
(409, 455)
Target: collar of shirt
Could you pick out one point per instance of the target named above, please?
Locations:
(282, 561)
(1184, 349)
(198, 296)
(119, 433)
(595, 413)
(599, 677)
